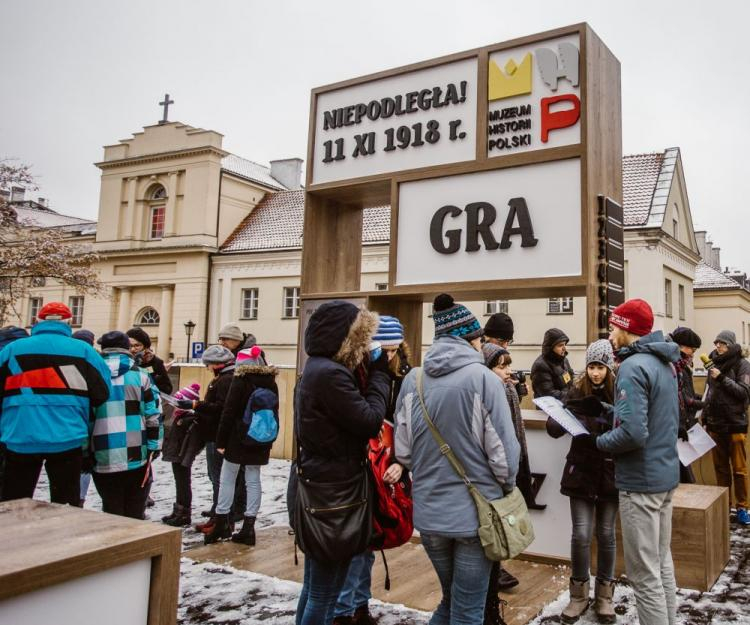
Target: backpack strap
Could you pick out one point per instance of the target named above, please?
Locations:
(445, 448)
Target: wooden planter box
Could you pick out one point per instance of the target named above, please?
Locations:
(69, 566)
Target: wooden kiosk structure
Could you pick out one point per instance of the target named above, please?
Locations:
(530, 127)
(502, 166)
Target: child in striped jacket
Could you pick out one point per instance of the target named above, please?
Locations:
(125, 432)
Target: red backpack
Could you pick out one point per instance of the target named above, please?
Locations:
(392, 524)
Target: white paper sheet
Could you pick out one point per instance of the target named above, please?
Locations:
(168, 399)
(554, 408)
(698, 444)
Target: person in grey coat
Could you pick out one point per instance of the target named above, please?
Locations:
(643, 442)
(468, 405)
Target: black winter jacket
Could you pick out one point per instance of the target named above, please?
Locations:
(551, 375)
(208, 411)
(333, 418)
(182, 440)
(589, 473)
(156, 369)
(232, 429)
(690, 402)
(729, 394)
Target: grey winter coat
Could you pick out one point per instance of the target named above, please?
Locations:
(647, 416)
(467, 403)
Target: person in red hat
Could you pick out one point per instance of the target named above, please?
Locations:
(49, 384)
(643, 442)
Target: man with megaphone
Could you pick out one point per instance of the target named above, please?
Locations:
(725, 416)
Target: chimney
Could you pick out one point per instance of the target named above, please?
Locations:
(288, 171)
(700, 239)
(717, 258)
(42, 201)
(17, 194)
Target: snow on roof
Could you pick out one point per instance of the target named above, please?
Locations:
(276, 223)
(646, 182)
(43, 217)
(709, 279)
(250, 170)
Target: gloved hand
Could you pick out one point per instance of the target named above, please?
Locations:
(682, 434)
(185, 404)
(589, 438)
(380, 364)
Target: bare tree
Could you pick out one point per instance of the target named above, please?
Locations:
(29, 252)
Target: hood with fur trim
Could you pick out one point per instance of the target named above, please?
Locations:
(357, 342)
(240, 370)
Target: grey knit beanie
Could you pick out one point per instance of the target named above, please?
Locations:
(600, 352)
(726, 336)
(232, 332)
(217, 355)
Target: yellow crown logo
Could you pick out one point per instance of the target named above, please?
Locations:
(516, 80)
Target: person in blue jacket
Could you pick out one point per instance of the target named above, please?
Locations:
(643, 442)
(49, 383)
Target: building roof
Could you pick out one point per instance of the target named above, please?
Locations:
(276, 224)
(646, 182)
(250, 170)
(36, 214)
(709, 279)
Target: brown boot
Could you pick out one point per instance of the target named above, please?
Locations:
(579, 601)
(603, 604)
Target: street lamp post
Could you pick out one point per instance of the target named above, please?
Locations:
(189, 327)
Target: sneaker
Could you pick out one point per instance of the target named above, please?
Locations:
(743, 516)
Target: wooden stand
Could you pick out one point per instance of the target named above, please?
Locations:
(700, 536)
(72, 566)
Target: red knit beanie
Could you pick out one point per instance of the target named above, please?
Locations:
(634, 316)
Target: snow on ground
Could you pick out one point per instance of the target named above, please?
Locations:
(211, 593)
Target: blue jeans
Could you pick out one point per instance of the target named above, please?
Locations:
(583, 513)
(214, 460)
(320, 589)
(463, 571)
(229, 471)
(356, 590)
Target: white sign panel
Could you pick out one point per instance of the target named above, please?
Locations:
(418, 119)
(521, 222)
(534, 97)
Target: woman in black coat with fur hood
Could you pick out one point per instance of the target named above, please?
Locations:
(335, 419)
(250, 373)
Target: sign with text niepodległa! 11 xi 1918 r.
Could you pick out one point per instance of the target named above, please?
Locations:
(420, 119)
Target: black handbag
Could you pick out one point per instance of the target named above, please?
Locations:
(333, 520)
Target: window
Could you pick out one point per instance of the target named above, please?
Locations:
(495, 306)
(35, 305)
(159, 193)
(249, 304)
(668, 298)
(560, 306)
(76, 307)
(149, 317)
(381, 286)
(157, 222)
(675, 229)
(291, 302)
(681, 300)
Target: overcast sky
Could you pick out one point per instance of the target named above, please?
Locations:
(77, 75)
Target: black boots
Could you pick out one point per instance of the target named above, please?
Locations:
(220, 530)
(246, 535)
(180, 517)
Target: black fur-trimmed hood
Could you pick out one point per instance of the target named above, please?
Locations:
(242, 370)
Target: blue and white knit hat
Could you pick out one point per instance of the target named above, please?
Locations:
(390, 332)
(455, 319)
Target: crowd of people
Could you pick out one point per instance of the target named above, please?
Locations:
(438, 435)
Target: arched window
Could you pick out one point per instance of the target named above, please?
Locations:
(148, 317)
(157, 208)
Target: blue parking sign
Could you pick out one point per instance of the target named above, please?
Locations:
(198, 349)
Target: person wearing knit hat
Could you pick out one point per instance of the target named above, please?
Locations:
(84, 335)
(725, 416)
(140, 348)
(114, 340)
(643, 443)
(499, 330)
(454, 319)
(460, 396)
(492, 354)
(588, 480)
(232, 337)
(690, 402)
(181, 446)
(390, 332)
(217, 354)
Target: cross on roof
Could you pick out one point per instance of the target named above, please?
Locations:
(165, 104)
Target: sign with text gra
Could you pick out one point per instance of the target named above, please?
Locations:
(494, 225)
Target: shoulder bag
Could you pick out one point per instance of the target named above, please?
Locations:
(505, 528)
